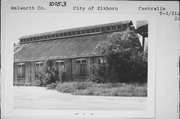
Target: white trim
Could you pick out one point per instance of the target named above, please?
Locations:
(80, 59)
(59, 61)
(39, 62)
(21, 64)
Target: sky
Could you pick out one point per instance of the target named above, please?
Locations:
(21, 24)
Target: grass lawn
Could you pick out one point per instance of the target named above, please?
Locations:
(103, 89)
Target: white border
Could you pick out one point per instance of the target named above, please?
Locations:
(149, 113)
(156, 90)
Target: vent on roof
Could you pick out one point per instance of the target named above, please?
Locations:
(75, 32)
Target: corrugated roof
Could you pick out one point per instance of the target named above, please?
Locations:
(60, 49)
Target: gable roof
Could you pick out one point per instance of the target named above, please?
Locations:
(63, 48)
(59, 49)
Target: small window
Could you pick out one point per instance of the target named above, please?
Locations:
(38, 68)
(83, 32)
(78, 32)
(53, 35)
(60, 66)
(49, 36)
(102, 29)
(74, 33)
(124, 25)
(108, 28)
(56, 35)
(78, 61)
(61, 34)
(83, 61)
(81, 67)
(113, 27)
(21, 70)
(41, 37)
(88, 31)
(69, 33)
(65, 34)
(92, 30)
(119, 27)
(97, 29)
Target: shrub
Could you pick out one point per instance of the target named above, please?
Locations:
(124, 58)
(48, 75)
(103, 89)
(66, 87)
(52, 85)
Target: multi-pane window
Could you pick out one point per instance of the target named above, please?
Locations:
(65, 34)
(53, 35)
(69, 33)
(108, 28)
(83, 32)
(78, 32)
(88, 31)
(113, 27)
(119, 27)
(73, 33)
(97, 29)
(103, 29)
(61, 34)
(57, 35)
(92, 30)
(38, 68)
(60, 66)
(81, 67)
(21, 70)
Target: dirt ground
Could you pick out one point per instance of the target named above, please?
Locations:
(41, 98)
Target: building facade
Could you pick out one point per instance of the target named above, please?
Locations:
(70, 50)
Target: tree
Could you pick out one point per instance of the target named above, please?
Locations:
(48, 75)
(124, 57)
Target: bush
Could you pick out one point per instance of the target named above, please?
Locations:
(103, 89)
(48, 75)
(52, 85)
(124, 58)
(66, 87)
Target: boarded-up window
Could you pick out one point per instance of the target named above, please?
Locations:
(81, 67)
(21, 70)
(38, 68)
(60, 66)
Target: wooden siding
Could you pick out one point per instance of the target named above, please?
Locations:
(70, 71)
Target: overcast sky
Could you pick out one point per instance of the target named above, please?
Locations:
(21, 24)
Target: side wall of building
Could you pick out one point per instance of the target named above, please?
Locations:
(76, 69)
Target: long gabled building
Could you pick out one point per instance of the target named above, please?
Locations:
(70, 50)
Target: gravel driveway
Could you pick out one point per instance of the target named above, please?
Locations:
(41, 98)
